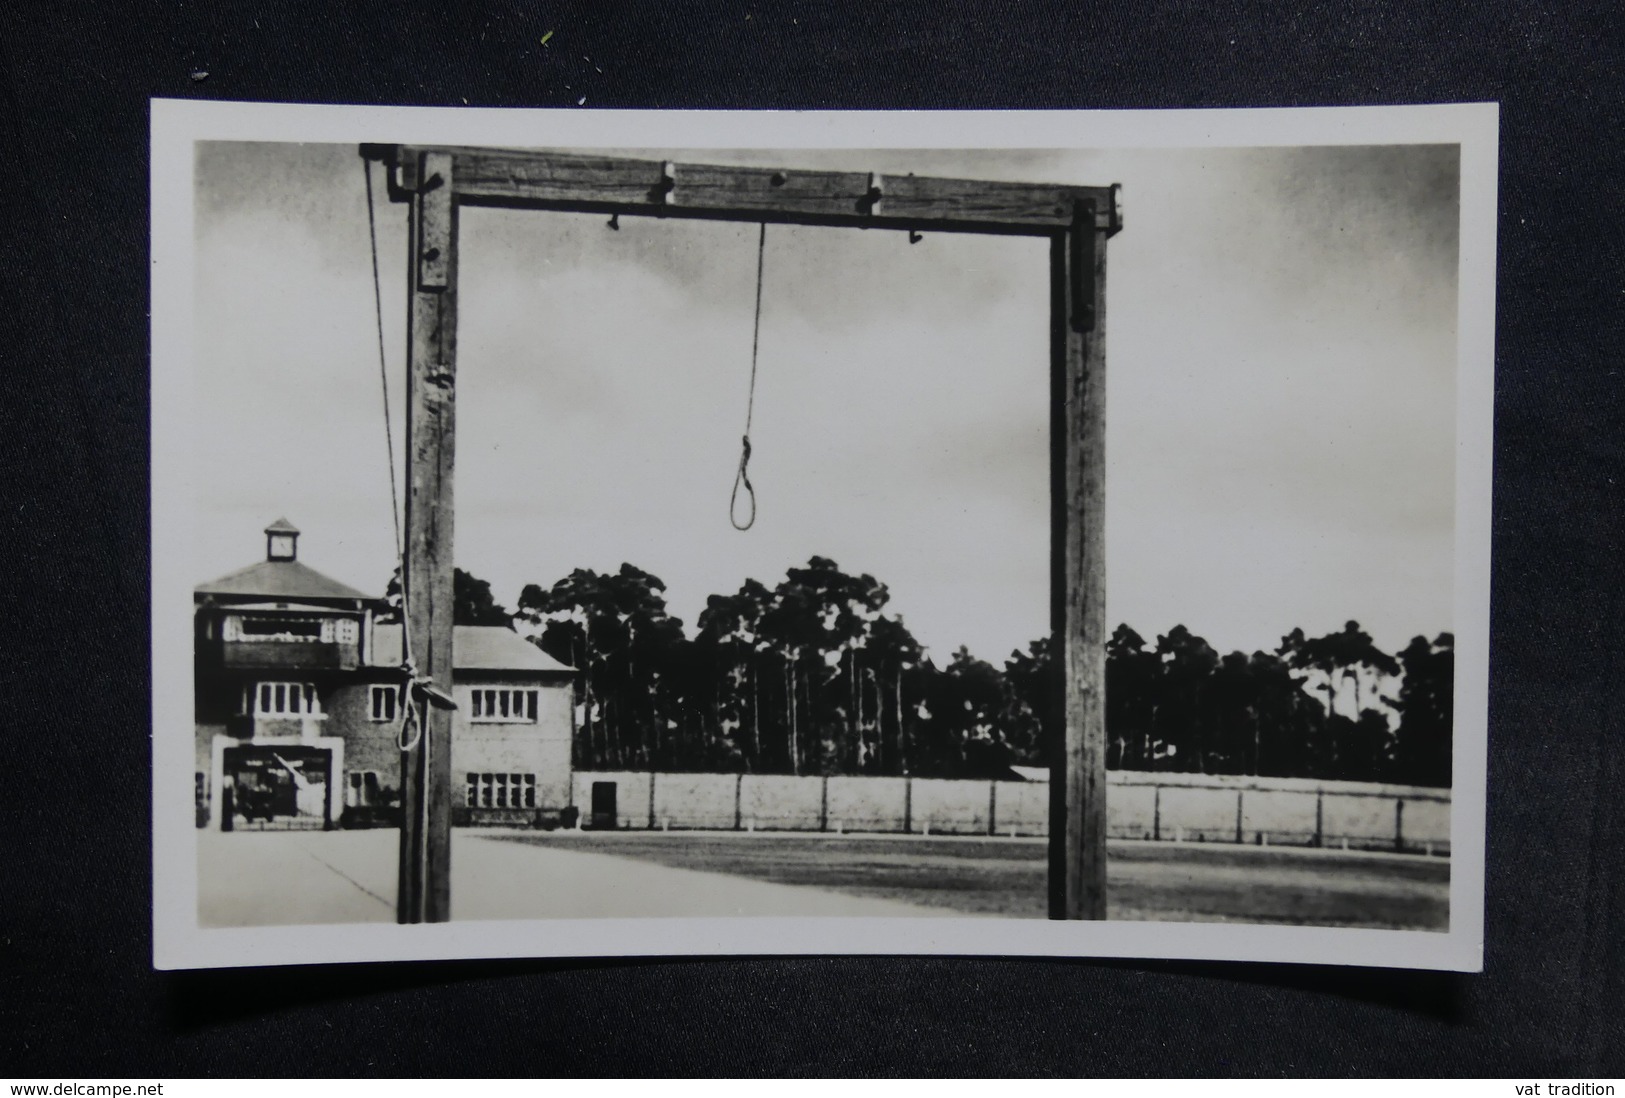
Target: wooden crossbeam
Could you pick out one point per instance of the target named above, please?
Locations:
(608, 184)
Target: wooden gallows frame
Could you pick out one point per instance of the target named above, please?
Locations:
(437, 181)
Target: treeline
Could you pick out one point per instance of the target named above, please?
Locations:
(814, 676)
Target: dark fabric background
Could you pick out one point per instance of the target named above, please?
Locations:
(77, 994)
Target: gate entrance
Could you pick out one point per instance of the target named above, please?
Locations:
(281, 787)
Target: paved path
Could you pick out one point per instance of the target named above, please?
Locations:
(322, 877)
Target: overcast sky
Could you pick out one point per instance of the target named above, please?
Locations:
(1281, 402)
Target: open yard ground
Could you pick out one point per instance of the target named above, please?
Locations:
(301, 878)
(1206, 882)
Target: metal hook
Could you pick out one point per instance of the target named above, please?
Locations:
(914, 236)
(615, 221)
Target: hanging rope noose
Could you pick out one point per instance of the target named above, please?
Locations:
(742, 478)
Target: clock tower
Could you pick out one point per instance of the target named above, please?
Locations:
(281, 540)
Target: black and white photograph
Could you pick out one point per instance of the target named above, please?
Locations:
(655, 533)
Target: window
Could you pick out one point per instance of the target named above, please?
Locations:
(501, 791)
(361, 788)
(383, 702)
(504, 705)
(281, 699)
(282, 628)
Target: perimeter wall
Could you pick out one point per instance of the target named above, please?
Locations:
(1165, 807)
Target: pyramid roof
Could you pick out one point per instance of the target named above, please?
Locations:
(281, 580)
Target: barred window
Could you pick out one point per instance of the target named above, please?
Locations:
(382, 703)
(361, 789)
(501, 791)
(281, 699)
(504, 704)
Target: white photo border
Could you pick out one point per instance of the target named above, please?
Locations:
(179, 942)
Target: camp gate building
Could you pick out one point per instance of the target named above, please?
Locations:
(297, 684)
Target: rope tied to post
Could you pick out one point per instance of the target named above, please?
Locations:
(742, 477)
(410, 732)
(415, 689)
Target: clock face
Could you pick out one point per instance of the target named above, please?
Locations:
(282, 546)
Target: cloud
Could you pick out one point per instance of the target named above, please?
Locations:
(1281, 395)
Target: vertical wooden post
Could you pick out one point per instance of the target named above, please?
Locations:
(1077, 846)
(424, 894)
